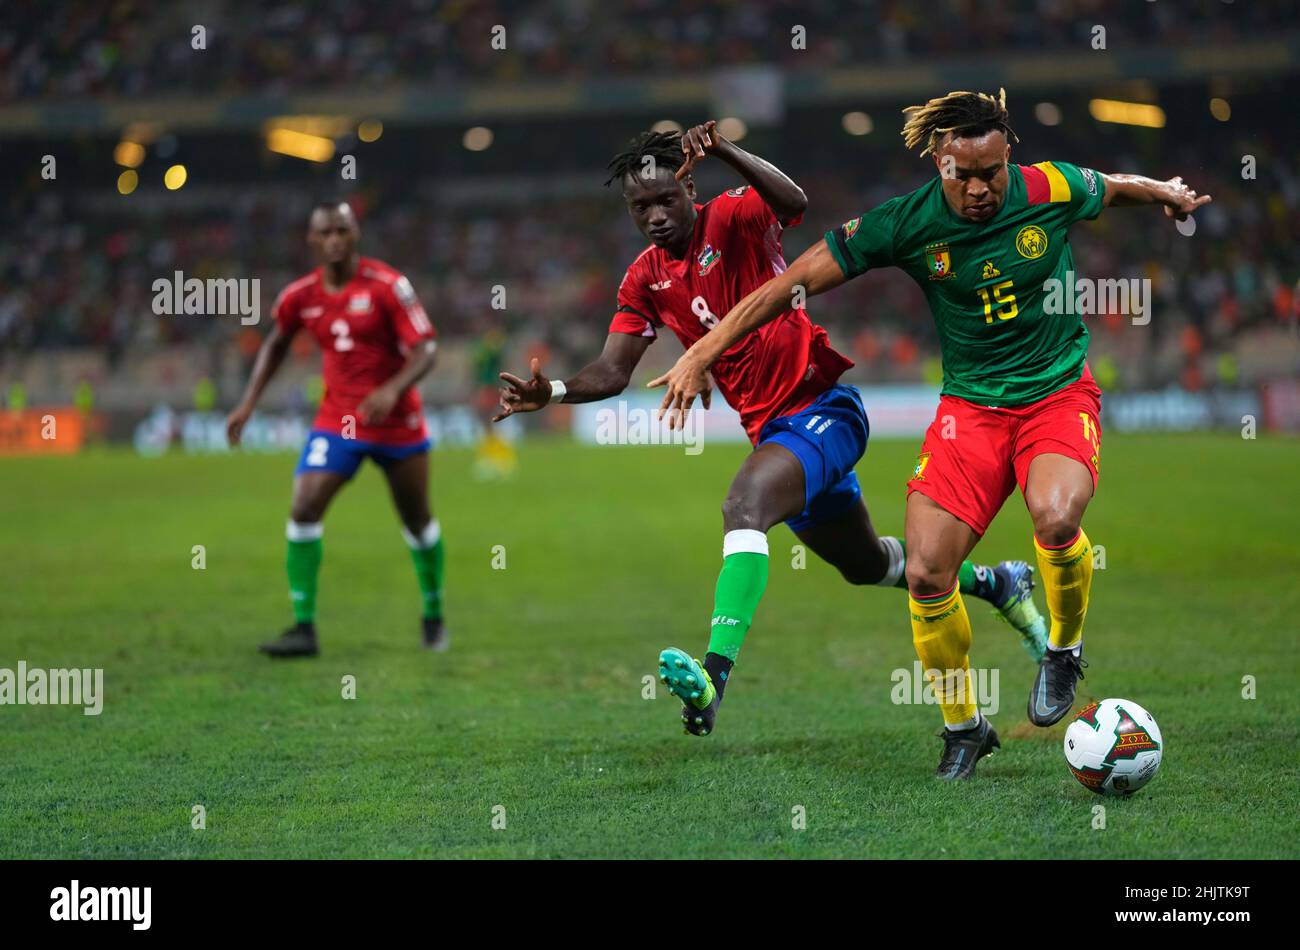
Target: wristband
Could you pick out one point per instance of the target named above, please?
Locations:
(558, 389)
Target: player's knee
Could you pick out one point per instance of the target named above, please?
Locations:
(927, 574)
(306, 510)
(1055, 525)
(742, 511)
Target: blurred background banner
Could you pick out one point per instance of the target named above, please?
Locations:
(140, 140)
(58, 431)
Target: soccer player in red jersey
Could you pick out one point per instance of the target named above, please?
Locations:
(809, 430)
(377, 343)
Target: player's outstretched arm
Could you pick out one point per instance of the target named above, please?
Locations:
(607, 376)
(1128, 190)
(814, 272)
(778, 190)
(269, 357)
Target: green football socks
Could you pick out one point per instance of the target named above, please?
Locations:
(427, 556)
(740, 587)
(302, 564)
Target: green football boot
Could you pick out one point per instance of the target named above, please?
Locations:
(688, 680)
(1019, 609)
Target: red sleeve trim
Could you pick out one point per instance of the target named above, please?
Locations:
(1038, 189)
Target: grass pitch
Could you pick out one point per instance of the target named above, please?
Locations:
(609, 555)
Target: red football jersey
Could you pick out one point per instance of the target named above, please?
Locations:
(365, 331)
(736, 248)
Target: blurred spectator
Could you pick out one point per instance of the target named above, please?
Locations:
(131, 48)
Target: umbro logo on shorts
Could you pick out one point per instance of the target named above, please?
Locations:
(820, 428)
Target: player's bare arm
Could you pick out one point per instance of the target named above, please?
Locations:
(782, 195)
(269, 357)
(606, 376)
(379, 402)
(815, 272)
(1177, 198)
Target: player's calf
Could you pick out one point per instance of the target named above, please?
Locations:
(302, 565)
(880, 566)
(424, 539)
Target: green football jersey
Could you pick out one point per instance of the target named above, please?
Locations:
(985, 282)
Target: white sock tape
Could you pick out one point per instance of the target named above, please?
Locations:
(428, 537)
(303, 530)
(897, 562)
(744, 541)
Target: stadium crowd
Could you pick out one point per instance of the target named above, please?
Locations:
(132, 48)
(79, 274)
(78, 260)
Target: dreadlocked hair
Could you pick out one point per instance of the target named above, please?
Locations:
(663, 148)
(965, 114)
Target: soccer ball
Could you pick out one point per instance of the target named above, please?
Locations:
(1113, 747)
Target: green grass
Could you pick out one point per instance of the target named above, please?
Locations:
(612, 554)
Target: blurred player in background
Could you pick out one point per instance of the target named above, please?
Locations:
(986, 241)
(809, 431)
(495, 457)
(377, 344)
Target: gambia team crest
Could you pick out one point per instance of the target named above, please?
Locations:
(938, 262)
(708, 257)
(1031, 242)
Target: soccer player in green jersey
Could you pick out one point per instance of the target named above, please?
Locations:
(986, 241)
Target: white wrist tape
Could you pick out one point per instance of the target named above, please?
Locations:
(558, 389)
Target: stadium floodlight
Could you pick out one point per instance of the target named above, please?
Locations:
(313, 148)
(857, 123)
(732, 128)
(1048, 113)
(175, 177)
(1127, 113)
(129, 154)
(477, 139)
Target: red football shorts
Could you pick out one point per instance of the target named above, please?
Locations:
(974, 456)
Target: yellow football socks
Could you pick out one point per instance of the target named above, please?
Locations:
(1066, 574)
(941, 633)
